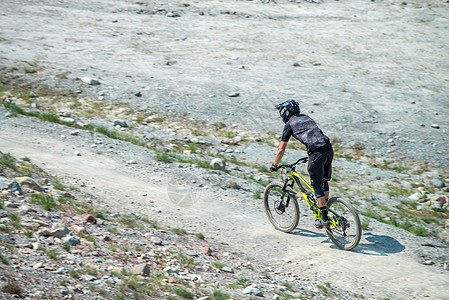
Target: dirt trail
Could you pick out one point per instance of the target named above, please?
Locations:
(383, 265)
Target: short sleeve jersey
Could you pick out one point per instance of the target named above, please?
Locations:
(304, 129)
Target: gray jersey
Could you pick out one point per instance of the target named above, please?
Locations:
(304, 129)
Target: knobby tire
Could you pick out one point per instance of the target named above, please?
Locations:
(353, 233)
(287, 220)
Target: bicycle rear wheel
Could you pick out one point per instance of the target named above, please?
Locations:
(345, 230)
(281, 208)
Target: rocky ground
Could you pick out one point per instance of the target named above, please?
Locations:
(125, 104)
(58, 243)
(179, 190)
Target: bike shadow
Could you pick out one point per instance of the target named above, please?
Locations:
(308, 233)
(373, 244)
(370, 244)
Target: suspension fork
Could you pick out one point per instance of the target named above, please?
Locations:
(286, 191)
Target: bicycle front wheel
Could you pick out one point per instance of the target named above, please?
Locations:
(345, 230)
(281, 208)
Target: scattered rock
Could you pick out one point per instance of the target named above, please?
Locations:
(227, 269)
(437, 183)
(59, 230)
(428, 262)
(90, 81)
(61, 270)
(206, 251)
(90, 219)
(232, 184)
(10, 185)
(38, 265)
(192, 253)
(121, 123)
(141, 269)
(232, 95)
(172, 15)
(218, 164)
(229, 142)
(88, 277)
(426, 244)
(157, 241)
(252, 290)
(73, 241)
(29, 183)
(416, 196)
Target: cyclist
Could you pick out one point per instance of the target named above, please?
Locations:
(319, 150)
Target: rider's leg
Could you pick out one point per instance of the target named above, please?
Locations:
(317, 161)
(326, 189)
(321, 199)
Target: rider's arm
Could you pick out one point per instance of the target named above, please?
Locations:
(280, 153)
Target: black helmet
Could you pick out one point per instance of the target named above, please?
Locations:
(288, 109)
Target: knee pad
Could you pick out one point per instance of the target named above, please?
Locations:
(325, 186)
(319, 192)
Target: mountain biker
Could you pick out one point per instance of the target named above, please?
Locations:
(319, 150)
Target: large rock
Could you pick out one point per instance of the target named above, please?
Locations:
(73, 241)
(438, 202)
(436, 182)
(252, 290)
(10, 185)
(44, 232)
(90, 81)
(121, 123)
(416, 196)
(90, 219)
(142, 269)
(218, 164)
(232, 184)
(29, 183)
(444, 235)
(59, 230)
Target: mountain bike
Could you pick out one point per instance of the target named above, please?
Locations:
(282, 209)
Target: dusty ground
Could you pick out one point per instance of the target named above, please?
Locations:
(373, 73)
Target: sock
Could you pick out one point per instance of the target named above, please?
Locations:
(323, 210)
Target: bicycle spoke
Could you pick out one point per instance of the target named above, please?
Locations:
(282, 212)
(345, 229)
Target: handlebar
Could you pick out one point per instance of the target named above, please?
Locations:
(301, 160)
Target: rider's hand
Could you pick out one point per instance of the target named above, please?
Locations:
(274, 168)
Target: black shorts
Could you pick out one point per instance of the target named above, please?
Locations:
(320, 165)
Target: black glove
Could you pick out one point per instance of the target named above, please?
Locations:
(274, 168)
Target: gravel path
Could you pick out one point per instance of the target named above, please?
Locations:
(377, 268)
